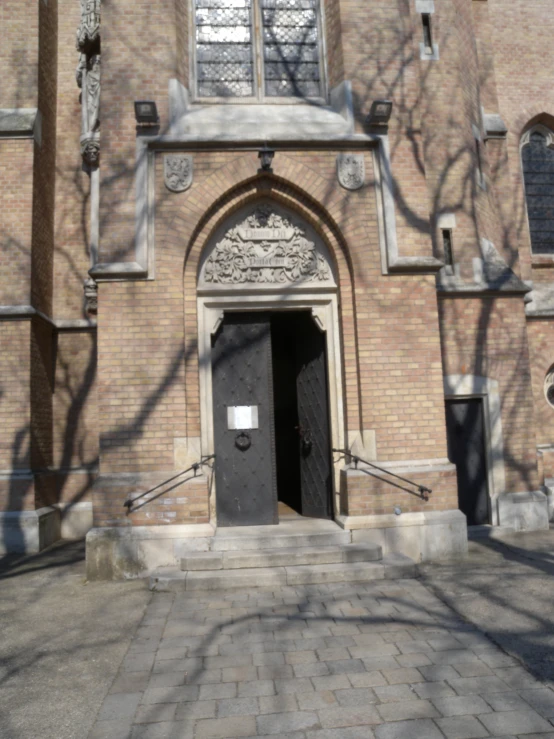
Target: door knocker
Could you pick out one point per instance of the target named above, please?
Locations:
(243, 441)
(305, 439)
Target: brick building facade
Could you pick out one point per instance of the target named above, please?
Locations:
(139, 257)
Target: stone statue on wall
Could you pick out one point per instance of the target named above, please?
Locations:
(88, 79)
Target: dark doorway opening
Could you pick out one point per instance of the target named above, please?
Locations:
(285, 403)
(467, 450)
(301, 413)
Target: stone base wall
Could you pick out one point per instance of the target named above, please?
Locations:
(368, 492)
(162, 498)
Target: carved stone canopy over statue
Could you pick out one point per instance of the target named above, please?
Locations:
(351, 170)
(178, 172)
(267, 247)
(88, 33)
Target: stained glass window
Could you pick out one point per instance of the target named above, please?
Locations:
(283, 60)
(538, 172)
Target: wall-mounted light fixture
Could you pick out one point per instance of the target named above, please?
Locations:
(380, 113)
(265, 155)
(146, 113)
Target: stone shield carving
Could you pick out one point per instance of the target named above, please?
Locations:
(266, 248)
(351, 170)
(178, 172)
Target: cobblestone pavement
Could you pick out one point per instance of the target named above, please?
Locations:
(386, 660)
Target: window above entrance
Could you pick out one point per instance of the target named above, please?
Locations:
(258, 49)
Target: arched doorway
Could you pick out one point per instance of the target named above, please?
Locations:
(270, 369)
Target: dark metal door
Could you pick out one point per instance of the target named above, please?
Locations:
(313, 419)
(246, 491)
(466, 449)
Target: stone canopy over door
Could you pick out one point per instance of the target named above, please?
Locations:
(268, 306)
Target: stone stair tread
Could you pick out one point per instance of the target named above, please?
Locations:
(280, 556)
(392, 566)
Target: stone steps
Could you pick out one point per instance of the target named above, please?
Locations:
(250, 539)
(172, 579)
(280, 557)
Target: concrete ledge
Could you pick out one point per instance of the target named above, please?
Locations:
(526, 511)
(422, 536)
(75, 520)
(29, 532)
(119, 553)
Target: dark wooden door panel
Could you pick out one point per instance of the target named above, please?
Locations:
(313, 419)
(467, 450)
(246, 492)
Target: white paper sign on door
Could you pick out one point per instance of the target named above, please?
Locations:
(242, 417)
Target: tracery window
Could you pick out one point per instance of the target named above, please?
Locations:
(258, 49)
(537, 156)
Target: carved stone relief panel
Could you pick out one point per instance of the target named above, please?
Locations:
(266, 246)
(178, 172)
(351, 170)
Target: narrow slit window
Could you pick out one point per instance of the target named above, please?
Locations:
(447, 246)
(427, 32)
(479, 162)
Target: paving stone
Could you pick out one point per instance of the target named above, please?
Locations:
(272, 659)
(341, 666)
(235, 726)
(301, 657)
(337, 717)
(416, 659)
(542, 700)
(164, 730)
(283, 703)
(167, 680)
(316, 699)
(380, 663)
(462, 727)
(195, 710)
(517, 722)
(433, 690)
(239, 674)
(177, 694)
(217, 691)
(395, 693)
(461, 705)
(434, 673)
(403, 675)
(418, 729)
(473, 669)
(119, 706)
(478, 685)
(275, 672)
(404, 710)
(374, 650)
(311, 669)
(157, 712)
(453, 657)
(237, 707)
(130, 682)
(346, 732)
(118, 729)
(256, 688)
(367, 679)
(506, 702)
(355, 697)
(328, 655)
(138, 662)
(279, 723)
(518, 678)
(332, 682)
(296, 685)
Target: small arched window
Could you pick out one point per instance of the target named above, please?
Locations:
(537, 156)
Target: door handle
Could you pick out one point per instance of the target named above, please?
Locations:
(243, 441)
(305, 438)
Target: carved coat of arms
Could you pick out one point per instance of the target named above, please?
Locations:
(178, 172)
(265, 248)
(351, 170)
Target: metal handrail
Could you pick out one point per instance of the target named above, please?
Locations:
(195, 466)
(423, 491)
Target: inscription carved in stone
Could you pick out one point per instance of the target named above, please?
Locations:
(351, 170)
(266, 248)
(178, 172)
